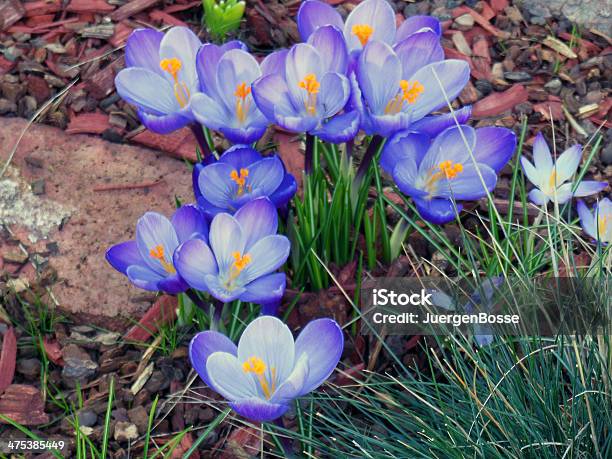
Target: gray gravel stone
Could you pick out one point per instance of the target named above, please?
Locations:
(592, 14)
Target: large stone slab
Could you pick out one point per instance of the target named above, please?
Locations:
(591, 14)
(80, 219)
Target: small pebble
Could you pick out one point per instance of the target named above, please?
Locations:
(517, 76)
(553, 86)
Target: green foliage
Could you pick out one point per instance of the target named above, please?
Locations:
(222, 17)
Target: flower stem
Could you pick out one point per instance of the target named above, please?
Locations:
(309, 154)
(201, 139)
(373, 148)
(215, 320)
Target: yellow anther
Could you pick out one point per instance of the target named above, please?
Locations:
(242, 104)
(157, 253)
(449, 169)
(552, 181)
(181, 91)
(240, 261)
(409, 92)
(363, 32)
(312, 87)
(257, 366)
(240, 179)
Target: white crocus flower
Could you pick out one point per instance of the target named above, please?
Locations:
(553, 180)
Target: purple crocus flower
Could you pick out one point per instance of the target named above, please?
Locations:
(311, 92)
(549, 178)
(147, 261)
(240, 176)
(226, 103)
(393, 89)
(160, 77)
(598, 222)
(437, 173)
(370, 20)
(241, 257)
(268, 369)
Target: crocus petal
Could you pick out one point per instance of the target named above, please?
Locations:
(404, 145)
(243, 135)
(378, 74)
(208, 209)
(142, 49)
(587, 219)
(165, 124)
(235, 67)
(416, 24)
(587, 188)
(377, 14)
(189, 222)
(435, 124)
(417, 51)
(216, 185)
(468, 184)
(209, 112)
(530, 171)
(240, 156)
(386, 125)
(314, 14)
(266, 175)
(537, 197)
(567, 164)
(173, 285)
(405, 174)
(144, 277)
(322, 341)
(296, 123)
(266, 289)
(219, 289)
(542, 159)
(334, 94)
(293, 386)
(285, 191)
(329, 42)
(153, 230)
(227, 378)
(494, 146)
(258, 219)
(207, 60)
(442, 300)
(123, 255)
(194, 261)
(147, 90)
(203, 345)
(453, 75)
(340, 128)
(450, 145)
(267, 255)
(226, 237)
(438, 211)
(183, 44)
(272, 95)
(269, 339)
(274, 63)
(234, 44)
(302, 60)
(258, 410)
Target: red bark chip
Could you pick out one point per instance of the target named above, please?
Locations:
(131, 8)
(481, 20)
(88, 123)
(162, 312)
(24, 405)
(89, 6)
(8, 358)
(53, 351)
(122, 32)
(11, 11)
(499, 5)
(179, 144)
(166, 18)
(42, 7)
(499, 102)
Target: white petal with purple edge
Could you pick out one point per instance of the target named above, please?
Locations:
(293, 386)
(333, 95)
(323, 342)
(123, 255)
(378, 74)
(419, 50)
(203, 345)
(567, 164)
(143, 277)
(494, 146)
(188, 221)
(274, 63)
(226, 237)
(588, 187)
(450, 145)
(271, 95)
(258, 410)
(314, 14)
(537, 197)
(587, 219)
(267, 255)
(404, 145)
(542, 159)
(142, 49)
(269, 339)
(194, 261)
(236, 67)
(183, 44)
(258, 219)
(209, 112)
(266, 175)
(265, 289)
(146, 89)
(216, 184)
(330, 44)
(415, 24)
(532, 174)
(468, 184)
(154, 230)
(227, 377)
(302, 60)
(377, 14)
